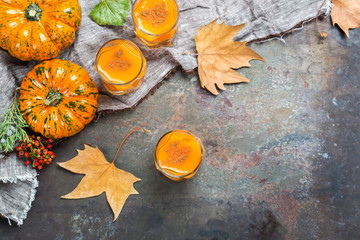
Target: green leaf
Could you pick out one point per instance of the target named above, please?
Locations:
(111, 12)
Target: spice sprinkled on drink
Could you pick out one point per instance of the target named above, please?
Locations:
(155, 21)
(121, 66)
(178, 155)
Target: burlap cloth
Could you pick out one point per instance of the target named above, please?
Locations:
(264, 19)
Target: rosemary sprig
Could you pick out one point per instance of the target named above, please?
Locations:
(12, 128)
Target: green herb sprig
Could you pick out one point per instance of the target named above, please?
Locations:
(12, 128)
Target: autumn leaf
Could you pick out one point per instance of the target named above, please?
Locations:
(101, 176)
(219, 55)
(346, 14)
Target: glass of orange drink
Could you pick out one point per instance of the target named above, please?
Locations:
(121, 66)
(155, 21)
(178, 155)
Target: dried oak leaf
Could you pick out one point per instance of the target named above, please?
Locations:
(100, 176)
(346, 14)
(219, 55)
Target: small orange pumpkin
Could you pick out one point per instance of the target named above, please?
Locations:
(38, 29)
(58, 98)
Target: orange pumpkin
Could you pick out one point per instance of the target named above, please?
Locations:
(58, 98)
(38, 29)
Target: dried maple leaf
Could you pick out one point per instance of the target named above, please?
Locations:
(101, 176)
(346, 14)
(219, 55)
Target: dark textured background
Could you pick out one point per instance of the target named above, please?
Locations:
(282, 157)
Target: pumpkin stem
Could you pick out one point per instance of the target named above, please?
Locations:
(33, 12)
(53, 98)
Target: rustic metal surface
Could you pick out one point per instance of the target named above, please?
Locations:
(281, 163)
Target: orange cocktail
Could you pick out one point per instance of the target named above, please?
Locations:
(121, 66)
(155, 21)
(178, 155)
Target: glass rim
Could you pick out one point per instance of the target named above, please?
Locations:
(185, 175)
(148, 33)
(137, 75)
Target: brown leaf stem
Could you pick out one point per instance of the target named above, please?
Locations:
(189, 53)
(15, 94)
(134, 130)
(322, 34)
(208, 54)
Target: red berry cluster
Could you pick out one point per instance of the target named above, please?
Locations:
(36, 151)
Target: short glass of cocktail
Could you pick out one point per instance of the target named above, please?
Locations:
(178, 155)
(121, 66)
(155, 21)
